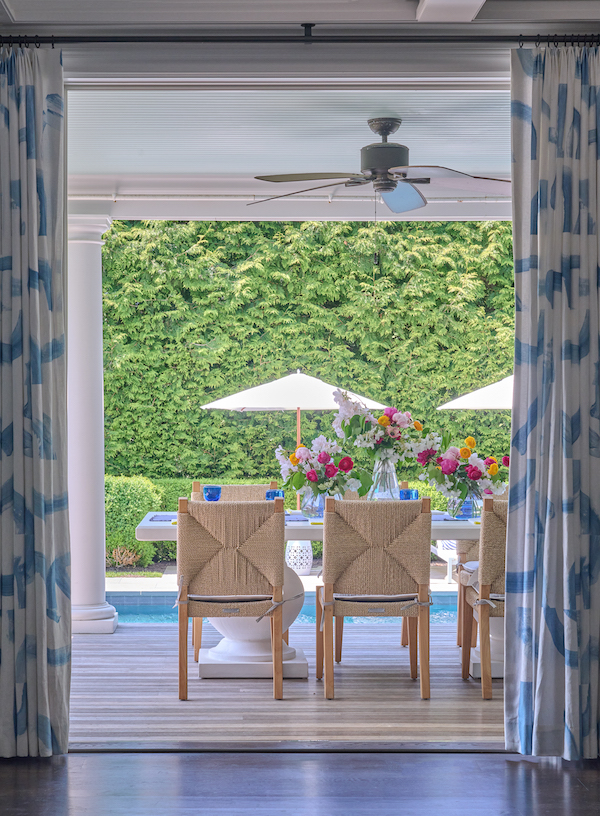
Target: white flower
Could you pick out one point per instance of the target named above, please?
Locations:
(353, 484)
(476, 461)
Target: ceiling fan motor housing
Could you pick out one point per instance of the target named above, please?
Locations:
(376, 160)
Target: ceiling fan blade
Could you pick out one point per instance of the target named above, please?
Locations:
(296, 192)
(307, 176)
(444, 179)
(404, 198)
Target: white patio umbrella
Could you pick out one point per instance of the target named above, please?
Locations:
(497, 395)
(294, 392)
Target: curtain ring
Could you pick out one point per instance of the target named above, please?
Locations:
(37, 42)
(53, 42)
(520, 41)
(537, 42)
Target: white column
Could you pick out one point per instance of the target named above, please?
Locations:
(85, 426)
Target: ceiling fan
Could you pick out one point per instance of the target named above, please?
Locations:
(385, 165)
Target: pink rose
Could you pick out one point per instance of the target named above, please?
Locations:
(426, 456)
(488, 491)
(323, 458)
(490, 461)
(312, 476)
(303, 454)
(346, 464)
(506, 461)
(389, 412)
(439, 460)
(330, 471)
(401, 420)
(474, 473)
(449, 466)
(452, 453)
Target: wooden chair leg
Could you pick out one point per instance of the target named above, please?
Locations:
(277, 647)
(319, 635)
(196, 636)
(404, 633)
(484, 651)
(474, 634)
(328, 644)
(286, 637)
(423, 629)
(467, 629)
(412, 645)
(459, 613)
(183, 646)
(339, 634)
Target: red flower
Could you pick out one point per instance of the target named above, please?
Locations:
(506, 461)
(312, 476)
(474, 473)
(330, 471)
(425, 456)
(346, 464)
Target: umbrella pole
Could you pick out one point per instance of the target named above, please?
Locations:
(298, 441)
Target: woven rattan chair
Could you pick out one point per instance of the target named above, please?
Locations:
(488, 594)
(230, 558)
(375, 563)
(230, 493)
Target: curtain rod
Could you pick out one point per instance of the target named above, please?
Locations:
(307, 38)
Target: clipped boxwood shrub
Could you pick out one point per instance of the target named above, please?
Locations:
(127, 500)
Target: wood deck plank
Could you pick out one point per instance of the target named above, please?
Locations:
(124, 691)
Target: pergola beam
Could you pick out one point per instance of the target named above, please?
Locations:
(448, 11)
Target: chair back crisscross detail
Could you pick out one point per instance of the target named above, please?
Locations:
(231, 548)
(377, 548)
(492, 547)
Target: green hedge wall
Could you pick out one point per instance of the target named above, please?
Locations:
(196, 311)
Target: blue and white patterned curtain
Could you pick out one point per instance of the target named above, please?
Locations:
(553, 556)
(35, 628)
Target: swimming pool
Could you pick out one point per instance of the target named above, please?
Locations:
(157, 607)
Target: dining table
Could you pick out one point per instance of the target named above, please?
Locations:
(245, 649)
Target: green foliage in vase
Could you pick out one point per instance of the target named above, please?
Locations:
(196, 311)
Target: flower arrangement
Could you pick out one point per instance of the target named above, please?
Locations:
(321, 469)
(461, 472)
(394, 435)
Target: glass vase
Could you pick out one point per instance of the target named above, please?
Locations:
(465, 508)
(313, 504)
(385, 485)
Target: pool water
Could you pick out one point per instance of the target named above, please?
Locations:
(150, 608)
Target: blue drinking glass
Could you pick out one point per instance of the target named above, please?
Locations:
(274, 494)
(211, 492)
(414, 493)
(405, 494)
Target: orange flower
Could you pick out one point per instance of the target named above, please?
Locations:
(417, 425)
(470, 442)
(465, 453)
(384, 421)
(294, 459)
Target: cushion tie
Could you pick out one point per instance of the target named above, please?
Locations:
(178, 599)
(482, 601)
(279, 603)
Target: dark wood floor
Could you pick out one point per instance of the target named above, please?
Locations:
(277, 784)
(124, 696)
